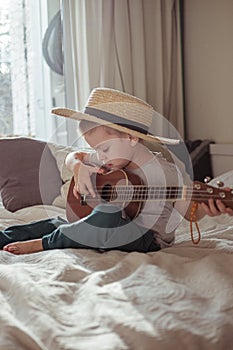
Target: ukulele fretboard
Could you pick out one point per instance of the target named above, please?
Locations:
(144, 193)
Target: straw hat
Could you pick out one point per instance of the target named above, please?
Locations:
(119, 111)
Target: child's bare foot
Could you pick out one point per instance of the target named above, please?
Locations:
(25, 247)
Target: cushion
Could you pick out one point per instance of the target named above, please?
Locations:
(60, 153)
(28, 173)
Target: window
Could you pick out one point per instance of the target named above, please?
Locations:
(29, 87)
(6, 120)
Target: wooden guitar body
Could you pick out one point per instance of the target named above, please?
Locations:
(110, 188)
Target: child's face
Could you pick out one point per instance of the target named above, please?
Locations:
(114, 150)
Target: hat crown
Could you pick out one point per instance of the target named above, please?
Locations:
(119, 107)
(106, 95)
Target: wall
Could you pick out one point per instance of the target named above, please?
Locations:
(208, 57)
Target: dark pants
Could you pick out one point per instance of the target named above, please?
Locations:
(104, 229)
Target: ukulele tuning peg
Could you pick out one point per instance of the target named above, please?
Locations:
(220, 184)
(207, 179)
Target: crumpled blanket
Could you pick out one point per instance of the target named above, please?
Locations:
(180, 297)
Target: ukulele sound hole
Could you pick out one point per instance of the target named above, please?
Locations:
(107, 193)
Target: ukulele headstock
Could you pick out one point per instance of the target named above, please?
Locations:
(202, 192)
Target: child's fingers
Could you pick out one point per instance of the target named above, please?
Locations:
(221, 207)
(210, 208)
(229, 211)
(91, 191)
(75, 193)
(87, 188)
(95, 169)
(102, 170)
(206, 209)
(215, 208)
(88, 181)
(83, 181)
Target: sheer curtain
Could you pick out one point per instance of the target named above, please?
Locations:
(130, 45)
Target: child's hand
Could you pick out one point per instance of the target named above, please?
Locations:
(215, 208)
(82, 179)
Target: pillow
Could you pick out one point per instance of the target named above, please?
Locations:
(60, 152)
(28, 174)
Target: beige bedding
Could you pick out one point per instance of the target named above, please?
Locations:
(180, 297)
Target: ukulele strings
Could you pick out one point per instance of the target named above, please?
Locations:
(136, 193)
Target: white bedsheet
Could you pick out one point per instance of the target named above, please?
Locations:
(177, 298)
(80, 299)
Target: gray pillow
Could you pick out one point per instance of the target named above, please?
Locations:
(28, 173)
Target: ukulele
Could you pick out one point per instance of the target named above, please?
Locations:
(128, 190)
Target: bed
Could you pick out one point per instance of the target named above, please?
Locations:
(71, 299)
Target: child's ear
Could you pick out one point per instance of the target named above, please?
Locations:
(133, 140)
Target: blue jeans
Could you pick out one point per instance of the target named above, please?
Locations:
(104, 229)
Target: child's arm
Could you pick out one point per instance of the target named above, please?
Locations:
(213, 208)
(78, 164)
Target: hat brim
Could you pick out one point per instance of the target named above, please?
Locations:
(78, 116)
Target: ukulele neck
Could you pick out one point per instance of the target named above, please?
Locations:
(153, 193)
